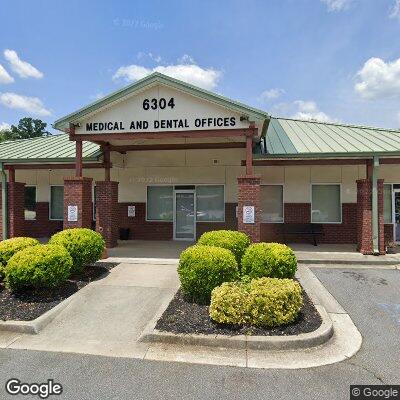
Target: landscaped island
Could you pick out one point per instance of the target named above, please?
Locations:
(36, 277)
(230, 286)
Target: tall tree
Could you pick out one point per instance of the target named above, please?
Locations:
(28, 128)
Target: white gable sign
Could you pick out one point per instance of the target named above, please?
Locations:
(161, 108)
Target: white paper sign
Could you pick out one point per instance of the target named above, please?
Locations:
(131, 211)
(248, 214)
(72, 213)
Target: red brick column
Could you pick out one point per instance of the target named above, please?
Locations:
(249, 195)
(364, 216)
(381, 220)
(16, 206)
(78, 192)
(107, 211)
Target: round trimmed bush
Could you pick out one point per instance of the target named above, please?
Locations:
(41, 266)
(202, 268)
(273, 260)
(236, 242)
(84, 245)
(262, 302)
(9, 247)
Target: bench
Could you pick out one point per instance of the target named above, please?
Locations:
(311, 230)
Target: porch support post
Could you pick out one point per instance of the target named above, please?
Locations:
(78, 159)
(16, 206)
(107, 163)
(4, 203)
(78, 206)
(249, 154)
(107, 211)
(249, 203)
(375, 216)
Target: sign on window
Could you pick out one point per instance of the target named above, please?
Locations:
(131, 211)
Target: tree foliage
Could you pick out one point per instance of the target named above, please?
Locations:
(27, 128)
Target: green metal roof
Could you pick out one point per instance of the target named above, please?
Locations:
(154, 78)
(287, 137)
(53, 148)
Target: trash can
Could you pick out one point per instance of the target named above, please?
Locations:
(124, 233)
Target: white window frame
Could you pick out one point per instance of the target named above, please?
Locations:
(187, 184)
(36, 196)
(53, 219)
(340, 201)
(283, 202)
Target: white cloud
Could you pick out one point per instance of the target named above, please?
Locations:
(22, 68)
(5, 77)
(186, 59)
(378, 79)
(395, 10)
(141, 55)
(271, 94)
(337, 5)
(206, 78)
(308, 110)
(32, 105)
(4, 126)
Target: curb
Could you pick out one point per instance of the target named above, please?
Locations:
(304, 340)
(376, 262)
(241, 342)
(36, 325)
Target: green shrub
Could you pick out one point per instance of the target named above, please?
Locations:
(272, 260)
(202, 268)
(236, 242)
(41, 266)
(262, 302)
(84, 245)
(2, 272)
(11, 246)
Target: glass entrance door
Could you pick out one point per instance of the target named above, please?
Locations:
(397, 214)
(184, 215)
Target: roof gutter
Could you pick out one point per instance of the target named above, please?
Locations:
(4, 202)
(375, 216)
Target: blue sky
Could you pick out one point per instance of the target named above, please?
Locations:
(333, 60)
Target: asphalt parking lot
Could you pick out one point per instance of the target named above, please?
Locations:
(372, 298)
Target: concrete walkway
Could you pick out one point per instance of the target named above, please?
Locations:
(167, 252)
(107, 316)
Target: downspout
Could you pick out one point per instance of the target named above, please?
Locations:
(375, 216)
(4, 202)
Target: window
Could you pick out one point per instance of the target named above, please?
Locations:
(30, 202)
(210, 203)
(272, 203)
(326, 204)
(159, 203)
(57, 202)
(387, 204)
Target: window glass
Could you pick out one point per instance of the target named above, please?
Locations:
(271, 203)
(159, 203)
(210, 203)
(387, 204)
(30, 202)
(57, 202)
(325, 203)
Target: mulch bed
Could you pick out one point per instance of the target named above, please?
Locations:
(184, 317)
(30, 304)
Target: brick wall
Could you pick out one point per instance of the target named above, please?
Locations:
(249, 195)
(16, 200)
(106, 215)
(346, 232)
(42, 226)
(78, 192)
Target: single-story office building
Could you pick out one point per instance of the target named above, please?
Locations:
(168, 160)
